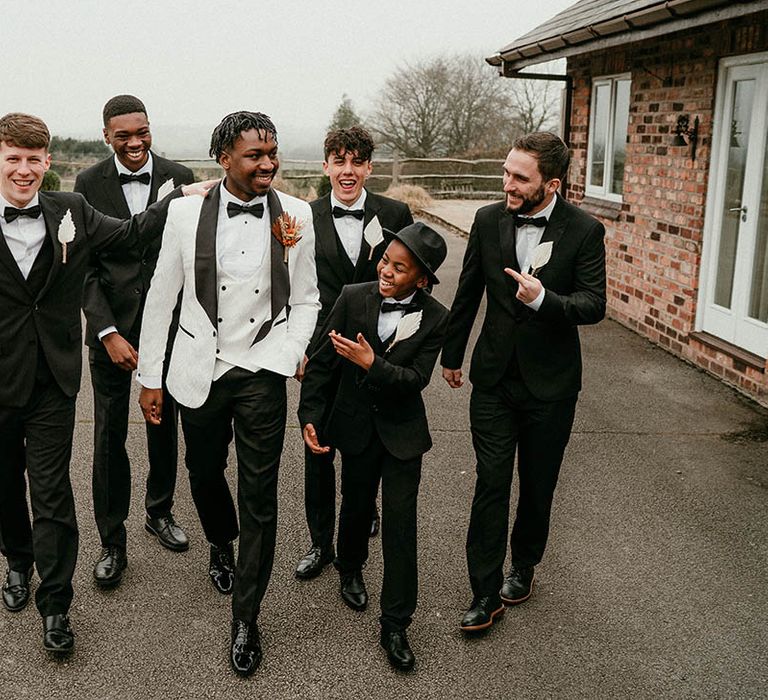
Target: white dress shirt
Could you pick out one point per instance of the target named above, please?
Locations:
(348, 228)
(136, 193)
(24, 236)
(528, 237)
(241, 241)
(388, 321)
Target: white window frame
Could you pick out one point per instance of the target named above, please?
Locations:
(604, 191)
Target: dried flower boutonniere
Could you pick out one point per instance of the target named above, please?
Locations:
(286, 229)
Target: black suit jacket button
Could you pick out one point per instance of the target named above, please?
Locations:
(136, 290)
(36, 307)
(223, 287)
(217, 351)
(256, 292)
(219, 320)
(214, 333)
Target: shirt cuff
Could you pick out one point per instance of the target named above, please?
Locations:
(107, 331)
(536, 303)
(150, 382)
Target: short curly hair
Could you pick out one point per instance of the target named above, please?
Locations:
(122, 104)
(353, 140)
(230, 128)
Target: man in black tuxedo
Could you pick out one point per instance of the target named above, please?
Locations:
(526, 366)
(46, 243)
(113, 302)
(362, 393)
(347, 221)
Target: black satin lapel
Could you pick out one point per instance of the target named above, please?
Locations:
(6, 257)
(325, 232)
(372, 307)
(556, 225)
(280, 283)
(205, 254)
(114, 191)
(53, 213)
(159, 177)
(507, 237)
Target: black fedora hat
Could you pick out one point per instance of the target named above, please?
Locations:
(425, 244)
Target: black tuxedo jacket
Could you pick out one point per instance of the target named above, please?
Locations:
(49, 321)
(545, 343)
(117, 283)
(386, 398)
(334, 269)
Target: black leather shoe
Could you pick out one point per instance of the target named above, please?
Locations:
(518, 585)
(314, 561)
(245, 653)
(483, 613)
(168, 533)
(222, 568)
(57, 634)
(398, 650)
(108, 570)
(375, 524)
(353, 591)
(16, 589)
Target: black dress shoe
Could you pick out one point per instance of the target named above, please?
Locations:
(168, 533)
(483, 613)
(518, 585)
(314, 561)
(398, 650)
(375, 524)
(16, 589)
(222, 568)
(245, 652)
(57, 634)
(353, 591)
(108, 570)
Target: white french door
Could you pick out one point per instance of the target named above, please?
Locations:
(733, 299)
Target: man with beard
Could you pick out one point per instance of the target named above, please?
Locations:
(243, 261)
(541, 261)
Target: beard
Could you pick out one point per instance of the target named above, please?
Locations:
(529, 203)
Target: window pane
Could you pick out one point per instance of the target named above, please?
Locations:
(741, 113)
(602, 105)
(758, 296)
(620, 122)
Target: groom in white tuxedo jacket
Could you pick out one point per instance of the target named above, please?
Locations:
(243, 260)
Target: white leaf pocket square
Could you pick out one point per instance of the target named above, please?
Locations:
(165, 189)
(541, 255)
(66, 234)
(408, 325)
(373, 234)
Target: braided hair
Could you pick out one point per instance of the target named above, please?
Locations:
(230, 128)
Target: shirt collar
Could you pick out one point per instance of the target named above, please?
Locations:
(146, 168)
(359, 203)
(5, 203)
(392, 300)
(546, 212)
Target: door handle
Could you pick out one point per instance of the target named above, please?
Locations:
(743, 211)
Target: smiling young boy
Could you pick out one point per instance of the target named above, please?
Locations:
(344, 220)
(381, 343)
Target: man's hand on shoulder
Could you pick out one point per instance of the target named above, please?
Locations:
(200, 188)
(453, 377)
(120, 351)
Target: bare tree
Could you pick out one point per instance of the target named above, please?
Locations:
(536, 104)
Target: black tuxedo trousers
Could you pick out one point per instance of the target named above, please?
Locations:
(360, 477)
(256, 403)
(505, 419)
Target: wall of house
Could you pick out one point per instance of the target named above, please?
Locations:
(654, 237)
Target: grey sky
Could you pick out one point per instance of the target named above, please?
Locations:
(193, 62)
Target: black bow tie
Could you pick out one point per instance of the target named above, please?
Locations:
(256, 209)
(12, 213)
(398, 306)
(338, 212)
(538, 221)
(144, 178)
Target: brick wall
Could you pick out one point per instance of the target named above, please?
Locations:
(654, 240)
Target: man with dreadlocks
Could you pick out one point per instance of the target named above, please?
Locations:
(243, 260)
